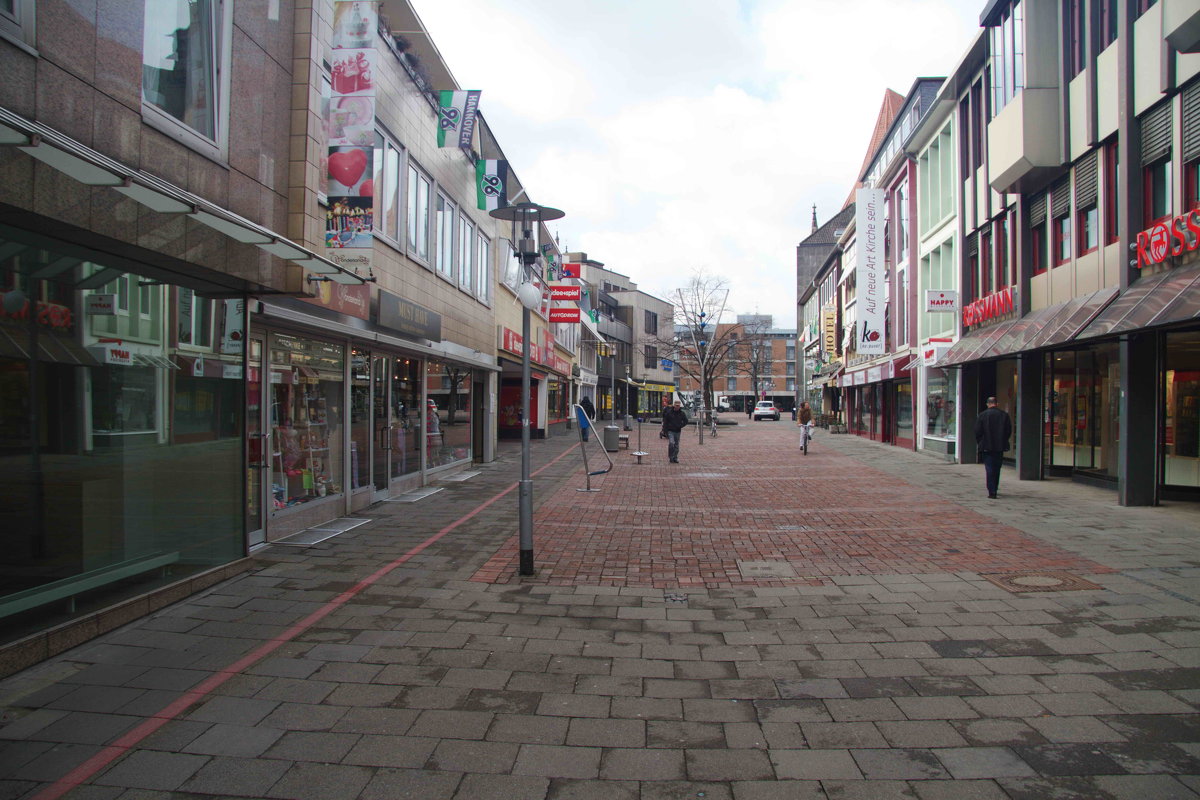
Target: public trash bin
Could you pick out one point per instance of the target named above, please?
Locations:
(611, 438)
(629, 422)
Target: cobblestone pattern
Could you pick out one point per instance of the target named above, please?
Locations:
(428, 684)
(752, 496)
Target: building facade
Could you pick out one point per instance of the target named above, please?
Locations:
(245, 292)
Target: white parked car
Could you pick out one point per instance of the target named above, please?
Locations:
(766, 410)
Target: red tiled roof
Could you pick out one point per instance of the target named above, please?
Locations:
(892, 103)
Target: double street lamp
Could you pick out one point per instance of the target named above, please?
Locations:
(528, 216)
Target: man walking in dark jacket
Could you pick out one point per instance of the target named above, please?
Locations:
(992, 430)
(674, 421)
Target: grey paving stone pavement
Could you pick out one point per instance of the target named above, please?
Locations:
(439, 679)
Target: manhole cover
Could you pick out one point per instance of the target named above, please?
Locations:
(766, 569)
(1041, 582)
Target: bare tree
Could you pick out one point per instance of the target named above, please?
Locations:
(752, 356)
(695, 344)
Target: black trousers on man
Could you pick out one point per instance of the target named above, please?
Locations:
(992, 459)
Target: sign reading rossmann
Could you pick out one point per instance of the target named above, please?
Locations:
(994, 305)
(1172, 237)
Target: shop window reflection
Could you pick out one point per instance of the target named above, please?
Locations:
(306, 420)
(448, 429)
(1182, 413)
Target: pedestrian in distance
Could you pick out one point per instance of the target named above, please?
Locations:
(586, 404)
(673, 423)
(992, 430)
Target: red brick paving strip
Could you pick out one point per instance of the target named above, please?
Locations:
(750, 495)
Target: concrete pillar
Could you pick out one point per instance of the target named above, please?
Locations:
(1027, 428)
(968, 410)
(1137, 479)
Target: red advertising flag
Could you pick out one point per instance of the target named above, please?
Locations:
(570, 270)
(564, 314)
(563, 292)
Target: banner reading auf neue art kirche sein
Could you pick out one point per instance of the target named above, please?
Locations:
(869, 270)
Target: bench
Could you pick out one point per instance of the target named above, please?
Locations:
(68, 588)
(623, 441)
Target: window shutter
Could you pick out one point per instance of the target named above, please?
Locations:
(1085, 180)
(972, 244)
(1191, 122)
(1060, 198)
(1037, 211)
(1156, 133)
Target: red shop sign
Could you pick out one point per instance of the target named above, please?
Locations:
(985, 308)
(1172, 237)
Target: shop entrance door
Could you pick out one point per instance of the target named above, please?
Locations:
(382, 423)
(258, 444)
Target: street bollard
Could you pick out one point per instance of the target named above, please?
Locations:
(640, 452)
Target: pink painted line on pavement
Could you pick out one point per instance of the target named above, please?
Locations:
(88, 769)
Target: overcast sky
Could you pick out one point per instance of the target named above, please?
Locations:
(680, 135)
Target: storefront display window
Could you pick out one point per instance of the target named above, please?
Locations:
(904, 420)
(556, 400)
(405, 451)
(360, 418)
(941, 410)
(1080, 417)
(306, 420)
(448, 431)
(124, 471)
(1181, 442)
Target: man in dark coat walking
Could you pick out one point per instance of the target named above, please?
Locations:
(992, 430)
(673, 421)
(586, 404)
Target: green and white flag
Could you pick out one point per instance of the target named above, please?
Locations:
(491, 184)
(456, 117)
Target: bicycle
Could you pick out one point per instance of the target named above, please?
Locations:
(805, 436)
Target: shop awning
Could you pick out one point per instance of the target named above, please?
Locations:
(15, 343)
(975, 342)
(1161, 299)
(1046, 327)
(586, 319)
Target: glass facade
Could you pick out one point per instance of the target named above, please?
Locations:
(448, 429)
(122, 446)
(1181, 415)
(941, 406)
(306, 418)
(1080, 413)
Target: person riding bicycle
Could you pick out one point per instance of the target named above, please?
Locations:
(804, 418)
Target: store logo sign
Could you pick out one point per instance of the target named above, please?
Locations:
(1172, 237)
(937, 300)
(101, 305)
(994, 305)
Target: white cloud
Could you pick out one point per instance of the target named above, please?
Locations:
(686, 134)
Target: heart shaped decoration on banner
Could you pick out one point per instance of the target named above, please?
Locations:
(367, 189)
(347, 166)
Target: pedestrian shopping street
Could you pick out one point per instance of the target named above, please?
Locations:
(751, 623)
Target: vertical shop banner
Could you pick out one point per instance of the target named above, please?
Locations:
(350, 136)
(869, 271)
(233, 327)
(456, 118)
(491, 184)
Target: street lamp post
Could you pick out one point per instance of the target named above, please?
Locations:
(528, 215)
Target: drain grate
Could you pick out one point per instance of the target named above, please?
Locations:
(1041, 582)
(674, 597)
